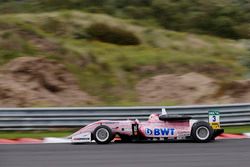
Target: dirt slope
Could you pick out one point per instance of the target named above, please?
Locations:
(235, 92)
(184, 89)
(31, 81)
(191, 88)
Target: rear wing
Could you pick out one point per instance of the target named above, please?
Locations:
(214, 119)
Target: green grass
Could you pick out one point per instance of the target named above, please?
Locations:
(237, 129)
(60, 133)
(33, 134)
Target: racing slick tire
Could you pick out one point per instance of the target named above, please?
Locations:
(103, 135)
(202, 132)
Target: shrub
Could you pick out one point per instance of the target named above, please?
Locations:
(111, 34)
(243, 30)
(138, 12)
(56, 26)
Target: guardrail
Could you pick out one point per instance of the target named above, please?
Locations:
(44, 118)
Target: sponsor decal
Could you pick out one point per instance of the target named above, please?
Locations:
(160, 131)
(148, 131)
(181, 137)
(81, 137)
(126, 129)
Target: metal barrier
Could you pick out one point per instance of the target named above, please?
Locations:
(43, 118)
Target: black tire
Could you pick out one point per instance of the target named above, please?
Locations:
(202, 132)
(103, 134)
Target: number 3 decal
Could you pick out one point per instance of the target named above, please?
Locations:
(214, 118)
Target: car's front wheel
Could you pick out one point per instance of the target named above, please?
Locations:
(202, 132)
(103, 134)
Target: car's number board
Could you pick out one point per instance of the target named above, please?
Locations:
(214, 119)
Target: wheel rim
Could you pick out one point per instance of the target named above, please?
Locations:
(202, 133)
(102, 134)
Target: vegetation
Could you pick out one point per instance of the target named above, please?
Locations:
(106, 33)
(225, 18)
(237, 129)
(34, 134)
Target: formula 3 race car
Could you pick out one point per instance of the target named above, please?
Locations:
(159, 127)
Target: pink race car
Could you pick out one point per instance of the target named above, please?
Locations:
(158, 127)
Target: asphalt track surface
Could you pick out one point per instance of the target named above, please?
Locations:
(221, 153)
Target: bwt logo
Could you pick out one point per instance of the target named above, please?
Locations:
(160, 131)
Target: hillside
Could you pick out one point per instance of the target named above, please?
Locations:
(225, 18)
(109, 71)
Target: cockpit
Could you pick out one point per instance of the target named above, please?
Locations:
(164, 116)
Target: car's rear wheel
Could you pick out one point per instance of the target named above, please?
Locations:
(103, 134)
(202, 132)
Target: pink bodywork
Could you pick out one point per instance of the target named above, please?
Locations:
(151, 128)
